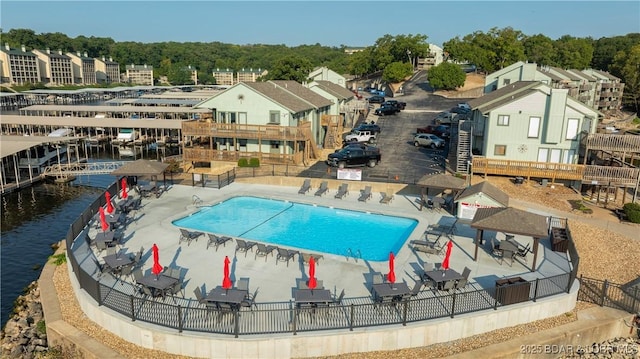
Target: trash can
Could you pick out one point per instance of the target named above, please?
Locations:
(544, 182)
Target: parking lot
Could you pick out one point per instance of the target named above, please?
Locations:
(401, 161)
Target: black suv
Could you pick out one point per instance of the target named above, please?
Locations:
(368, 127)
(395, 103)
(376, 99)
(385, 110)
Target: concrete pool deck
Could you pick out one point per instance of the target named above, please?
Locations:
(275, 282)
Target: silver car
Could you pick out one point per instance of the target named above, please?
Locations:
(428, 140)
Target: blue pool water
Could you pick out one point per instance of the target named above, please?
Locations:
(316, 228)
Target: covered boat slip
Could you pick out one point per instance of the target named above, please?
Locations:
(125, 111)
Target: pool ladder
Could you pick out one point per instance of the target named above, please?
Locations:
(353, 255)
(196, 201)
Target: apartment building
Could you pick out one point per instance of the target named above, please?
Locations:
(55, 67)
(193, 72)
(250, 75)
(83, 69)
(107, 71)
(224, 77)
(596, 89)
(140, 74)
(18, 66)
(434, 58)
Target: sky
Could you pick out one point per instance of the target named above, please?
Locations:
(309, 22)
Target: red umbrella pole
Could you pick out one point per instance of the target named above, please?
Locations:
(391, 277)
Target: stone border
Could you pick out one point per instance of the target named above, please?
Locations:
(59, 332)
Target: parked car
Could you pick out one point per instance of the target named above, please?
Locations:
(444, 117)
(395, 103)
(355, 155)
(376, 99)
(368, 127)
(360, 136)
(385, 110)
(441, 131)
(428, 140)
(460, 110)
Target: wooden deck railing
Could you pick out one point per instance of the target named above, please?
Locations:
(227, 130)
(615, 176)
(610, 142)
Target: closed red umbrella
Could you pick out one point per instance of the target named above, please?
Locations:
(391, 277)
(445, 262)
(226, 281)
(157, 268)
(103, 220)
(107, 196)
(312, 274)
(123, 184)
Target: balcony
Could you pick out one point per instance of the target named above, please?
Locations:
(208, 155)
(241, 131)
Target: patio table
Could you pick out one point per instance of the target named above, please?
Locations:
(311, 296)
(117, 261)
(105, 237)
(159, 284)
(231, 296)
(390, 290)
(439, 276)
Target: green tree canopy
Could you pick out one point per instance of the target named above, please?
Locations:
(446, 76)
(573, 53)
(397, 71)
(539, 49)
(490, 51)
(295, 68)
(628, 65)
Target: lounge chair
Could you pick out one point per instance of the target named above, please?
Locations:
(244, 246)
(285, 255)
(343, 190)
(365, 195)
(264, 250)
(188, 236)
(217, 241)
(324, 187)
(424, 247)
(306, 186)
(386, 197)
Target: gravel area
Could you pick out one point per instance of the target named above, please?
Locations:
(597, 261)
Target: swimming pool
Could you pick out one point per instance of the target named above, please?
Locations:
(316, 228)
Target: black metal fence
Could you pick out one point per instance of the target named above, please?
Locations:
(607, 294)
(283, 317)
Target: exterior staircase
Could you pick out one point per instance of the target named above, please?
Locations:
(460, 147)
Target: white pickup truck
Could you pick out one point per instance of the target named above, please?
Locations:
(360, 136)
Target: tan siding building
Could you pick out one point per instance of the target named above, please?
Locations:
(107, 71)
(18, 67)
(140, 74)
(83, 68)
(55, 67)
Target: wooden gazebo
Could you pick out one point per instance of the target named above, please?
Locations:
(440, 181)
(141, 168)
(510, 220)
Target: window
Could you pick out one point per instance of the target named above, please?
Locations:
(505, 82)
(555, 155)
(568, 156)
(274, 117)
(500, 150)
(543, 154)
(534, 127)
(572, 129)
(242, 142)
(275, 144)
(503, 120)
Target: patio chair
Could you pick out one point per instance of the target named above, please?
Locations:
(386, 197)
(465, 273)
(188, 236)
(306, 186)
(242, 284)
(199, 296)
(338, 300)
(137, 275)
(264, 250)
(216, 241)
(377, 278)
(126, 271)
(301, 284)
(461, 283)
(523, 251)
(285, 255)
(174, 273)
(250, 301)
(324, 187)
(101, 268)
(146, 292)
(495, 249)
(101, 246)
(111, 251)
(343, 190)
(176, 288)
(365, 195)
(448, 285)
(138, 257)
(416, 288)
(244, 246)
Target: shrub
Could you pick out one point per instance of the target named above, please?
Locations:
(254, 162)
(243, 162)
(58, 259)
(632, 210)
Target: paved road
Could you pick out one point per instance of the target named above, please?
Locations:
(400, 159)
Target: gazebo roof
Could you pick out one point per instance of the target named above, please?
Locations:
(487, 188)
(141, 168)
(443, 181)
(511, 220)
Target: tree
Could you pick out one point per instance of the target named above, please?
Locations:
(397, 71)
(491, 51)
(179, 75)
(606, 48)
(539, 49)
(628, 65)
(446, 76)
(290, 68)
(573, 53)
